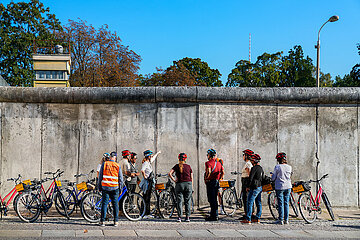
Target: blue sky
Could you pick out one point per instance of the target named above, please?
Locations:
(162, 31)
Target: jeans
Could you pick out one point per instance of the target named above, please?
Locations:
(113, 195)
(183, 191)
(244, 185)
(254, 195)
(283, 197)
(147, 198)
(212, 189)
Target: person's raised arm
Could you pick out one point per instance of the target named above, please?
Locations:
(154, 157)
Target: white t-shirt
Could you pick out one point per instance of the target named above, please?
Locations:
(125, 166)
(244, 173)
(98, 167)
(146, 168)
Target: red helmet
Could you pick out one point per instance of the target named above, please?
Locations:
(182, 156)
(126, 153)
(256, 157)
(248, 152)
(281, 155)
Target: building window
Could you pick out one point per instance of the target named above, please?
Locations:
(50, 75)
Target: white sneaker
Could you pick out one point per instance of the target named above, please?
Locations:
(148, 216)
(222, 211)
(280, 222)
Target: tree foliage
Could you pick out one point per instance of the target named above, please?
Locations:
(98, 57)
(20, 24)
(184, 72)
(352, 79)
(274, 70)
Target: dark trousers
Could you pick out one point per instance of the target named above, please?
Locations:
(147, 197)
(212, 189)
(131, 187)
(113, 195)
(183, 191)
(244, 193)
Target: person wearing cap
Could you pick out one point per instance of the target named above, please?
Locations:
(281, 175)
(254, 190)
(214, 171)
(131, 185)
(148, 174)
(110, 183)
(125, 165)
(183, 187)
(245, 173)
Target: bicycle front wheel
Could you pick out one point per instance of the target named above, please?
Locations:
(153, 202)
(294, 206)
(307, 208)
(133, 206)
(273, 205)
(166, 204)
(69, 202)
(28, 207)
(328, 206)
(90, 207)
(229, 201)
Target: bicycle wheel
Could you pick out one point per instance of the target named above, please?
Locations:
(28, 207)
(62, 204)
(273, 205)
(70, 202)
(294, 206)
(90, 207)
(307, 208)
(229, 201)
(328, 206)
(15, 200)
(133, 206)
(153, 202)
(166, 204)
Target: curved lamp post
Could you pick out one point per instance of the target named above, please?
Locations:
(317, 46)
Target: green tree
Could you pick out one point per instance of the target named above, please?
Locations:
(20, 24)
(352, 79)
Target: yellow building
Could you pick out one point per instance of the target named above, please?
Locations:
(52, 69)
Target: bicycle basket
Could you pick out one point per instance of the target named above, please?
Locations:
(81, 186)
(227, 183)
(268, 187)
(301, 186)
(160, 186)
(19, 187)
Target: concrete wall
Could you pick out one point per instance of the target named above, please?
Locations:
(43, 129)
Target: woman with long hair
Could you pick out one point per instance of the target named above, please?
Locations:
(183, 187)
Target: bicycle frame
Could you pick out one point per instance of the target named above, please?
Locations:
(11, 196)
(124, 191)
(317, 199)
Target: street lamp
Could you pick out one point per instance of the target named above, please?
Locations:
(317, 46)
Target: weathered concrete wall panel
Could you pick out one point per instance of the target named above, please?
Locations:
(338, 146)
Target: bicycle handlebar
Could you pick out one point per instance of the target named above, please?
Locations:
(235, 173)
(15, 179)
(323, 177)
(161, 175)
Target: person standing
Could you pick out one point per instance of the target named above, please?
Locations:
(147, 172)
(134, 174)
(214, 171)
(110, 183)
(281, 175)
(254, 190)
(245, 173)
(183, 187)
(125, 165)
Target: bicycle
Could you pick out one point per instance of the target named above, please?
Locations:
(29, 205)
(230, 200)
(308, 206)
(273, 202)
(74, 193)
(133, 206)
(167, 199)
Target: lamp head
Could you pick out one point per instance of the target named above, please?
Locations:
(334, 18)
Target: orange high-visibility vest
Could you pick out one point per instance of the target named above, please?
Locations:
(110, 174)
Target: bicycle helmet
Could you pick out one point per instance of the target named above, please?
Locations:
(182, 156)
(211, 152)
(113, 154)
(106, 155)
(133, 154)
(148, 153)
(126, 153)
(256, 157)
(248, 152)
(281, 155)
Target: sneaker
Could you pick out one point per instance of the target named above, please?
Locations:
(280, 222)
(116, 224)
(255, 220)
(246, 221)
(286, 222)
(187, 219)
(179, 219)
(101, 224)
(148, 216)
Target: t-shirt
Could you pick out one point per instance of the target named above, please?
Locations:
(281, 176)
(125, 166)
(215, 175)
(133, 170)
(147, 168)
(185, 176)
(244, 173)
(98, 168)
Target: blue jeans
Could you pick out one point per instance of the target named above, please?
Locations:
(254, 195)
(283, 197)
(113, 195)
